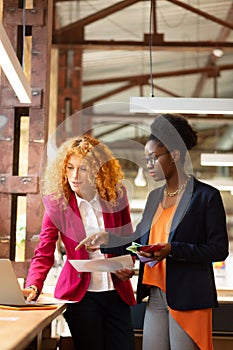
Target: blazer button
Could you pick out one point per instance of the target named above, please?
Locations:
(79, 275)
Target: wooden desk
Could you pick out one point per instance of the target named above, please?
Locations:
(225, 295)
(18, 329)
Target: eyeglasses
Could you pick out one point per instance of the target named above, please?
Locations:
(152, 159)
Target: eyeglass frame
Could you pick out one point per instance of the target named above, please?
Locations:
(152, 159)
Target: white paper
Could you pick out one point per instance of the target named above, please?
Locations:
(48, 300)
(6, 318)
(103, 265)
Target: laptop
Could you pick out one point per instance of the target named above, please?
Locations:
(10, 291)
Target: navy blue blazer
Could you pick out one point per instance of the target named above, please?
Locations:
(198, 237)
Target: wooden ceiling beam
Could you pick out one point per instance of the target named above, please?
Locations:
(202, 13)
(166, 91)
(72, 36)
(142, 79)
(72, 43)
(110, 93)
(69, 30)
(68, 34)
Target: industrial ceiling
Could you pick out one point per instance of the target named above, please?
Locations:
(123, 45)
(141, 48)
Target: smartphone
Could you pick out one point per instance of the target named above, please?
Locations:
(151, 248)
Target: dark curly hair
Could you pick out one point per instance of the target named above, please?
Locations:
(174, 132)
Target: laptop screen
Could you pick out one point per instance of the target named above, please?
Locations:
(10, 291)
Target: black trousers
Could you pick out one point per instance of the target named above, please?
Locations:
(101, 321)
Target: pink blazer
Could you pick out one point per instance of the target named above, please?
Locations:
(72, 285)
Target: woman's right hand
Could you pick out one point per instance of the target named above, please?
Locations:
(94, 241)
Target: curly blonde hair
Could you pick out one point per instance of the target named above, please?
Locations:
(103, 169)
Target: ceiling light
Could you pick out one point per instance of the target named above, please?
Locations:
(12, 68)
(181, 105)
(140, 179)
(218, 53)
(217, 159)
(222, 184)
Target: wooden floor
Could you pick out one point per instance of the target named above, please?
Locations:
(220, 342)
(223, 342)
(66, 343)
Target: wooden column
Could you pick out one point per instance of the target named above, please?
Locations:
(70, 121)
(37, 24)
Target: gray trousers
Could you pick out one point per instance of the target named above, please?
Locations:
(161, 331)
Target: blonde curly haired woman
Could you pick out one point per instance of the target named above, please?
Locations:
(83, 194)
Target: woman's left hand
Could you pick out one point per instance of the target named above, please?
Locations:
(124, 274)
(29, 293)
(158, 255)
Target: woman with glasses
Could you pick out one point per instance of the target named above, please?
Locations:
(187, 218)
(83, 193)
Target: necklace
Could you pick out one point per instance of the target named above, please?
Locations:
(175, 193)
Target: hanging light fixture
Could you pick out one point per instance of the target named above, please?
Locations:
(140, 180)
(222, 184)
(181, 105)
(177, 104)
(12, 68)
(217, 159)
(217, 52)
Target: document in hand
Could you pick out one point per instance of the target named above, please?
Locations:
(103, 265)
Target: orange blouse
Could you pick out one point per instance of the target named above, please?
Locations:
(197, 323)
